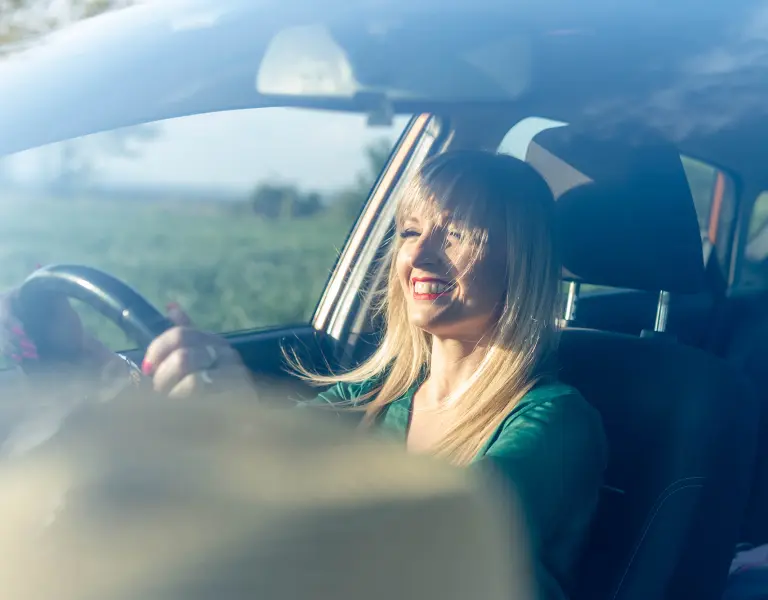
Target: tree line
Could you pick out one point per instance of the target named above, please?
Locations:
(272, 200)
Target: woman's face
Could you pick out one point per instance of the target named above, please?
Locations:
(450, 292)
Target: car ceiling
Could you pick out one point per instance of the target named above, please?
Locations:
(695, 71)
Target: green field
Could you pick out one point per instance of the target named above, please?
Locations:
(230, 269)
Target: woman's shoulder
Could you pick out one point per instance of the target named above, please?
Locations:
(552, 391)
(556, 402)
(554, 415)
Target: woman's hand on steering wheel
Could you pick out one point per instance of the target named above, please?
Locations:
(185, 361)
(48, 335)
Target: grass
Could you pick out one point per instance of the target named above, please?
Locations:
(229, 269)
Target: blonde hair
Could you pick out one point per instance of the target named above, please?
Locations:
(479, 188)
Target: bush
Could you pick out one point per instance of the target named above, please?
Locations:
(274, 201)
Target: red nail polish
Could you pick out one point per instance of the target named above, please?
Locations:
(26, 344)
(146, 368)
(18, 331)
(30, 354)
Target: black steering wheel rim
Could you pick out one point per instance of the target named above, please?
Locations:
(106, 294)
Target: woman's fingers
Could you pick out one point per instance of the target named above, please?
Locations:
(180, 363)
(183, 360)
(209, 381)
(177, 315)
(174, 339)
(15, 344)
(52, 324)
(181, 335)
(195, 369)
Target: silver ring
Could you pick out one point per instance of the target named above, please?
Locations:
(213, 354)
(205, 376)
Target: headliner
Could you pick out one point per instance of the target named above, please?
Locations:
(692, 70)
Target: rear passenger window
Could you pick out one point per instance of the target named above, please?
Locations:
(714, 197)
(754, 270)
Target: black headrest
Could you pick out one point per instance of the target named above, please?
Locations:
(626, 216)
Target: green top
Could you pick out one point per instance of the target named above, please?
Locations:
(552, 449)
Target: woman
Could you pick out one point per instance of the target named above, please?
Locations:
(464, 368)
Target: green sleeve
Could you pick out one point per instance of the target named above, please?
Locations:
(552, 453)
(336, 394)
(339, 397)
(341, 393)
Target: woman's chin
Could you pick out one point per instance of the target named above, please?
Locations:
(432, 323)
(443, 325)
(423, 317)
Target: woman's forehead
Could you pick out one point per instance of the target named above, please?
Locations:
(435, 215)
(438, 217)
(435, 208)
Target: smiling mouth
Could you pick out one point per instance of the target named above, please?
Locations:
(430, 289)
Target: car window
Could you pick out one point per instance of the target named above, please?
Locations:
(714, 197)
(712, 190)
(754, 268)
(236, 216)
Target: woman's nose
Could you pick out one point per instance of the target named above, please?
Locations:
(426, 251)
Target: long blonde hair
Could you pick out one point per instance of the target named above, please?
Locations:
(479, 187)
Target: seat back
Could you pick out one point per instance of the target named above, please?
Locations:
(747, 350)
(681, 425)
(681, 430)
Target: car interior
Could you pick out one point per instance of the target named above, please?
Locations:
(683, 418)
(663, 321)
(660, 344)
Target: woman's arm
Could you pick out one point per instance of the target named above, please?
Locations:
(552, 454)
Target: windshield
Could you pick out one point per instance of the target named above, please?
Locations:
(237, 216)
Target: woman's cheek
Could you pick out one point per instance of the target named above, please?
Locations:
(403, 266)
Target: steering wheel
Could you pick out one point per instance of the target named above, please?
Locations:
(117, 301)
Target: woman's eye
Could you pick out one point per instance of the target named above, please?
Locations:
(407, 233)
(457, 235)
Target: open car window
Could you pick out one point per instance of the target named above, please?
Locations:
(237, 216)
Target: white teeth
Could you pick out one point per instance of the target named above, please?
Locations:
(429, 287)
